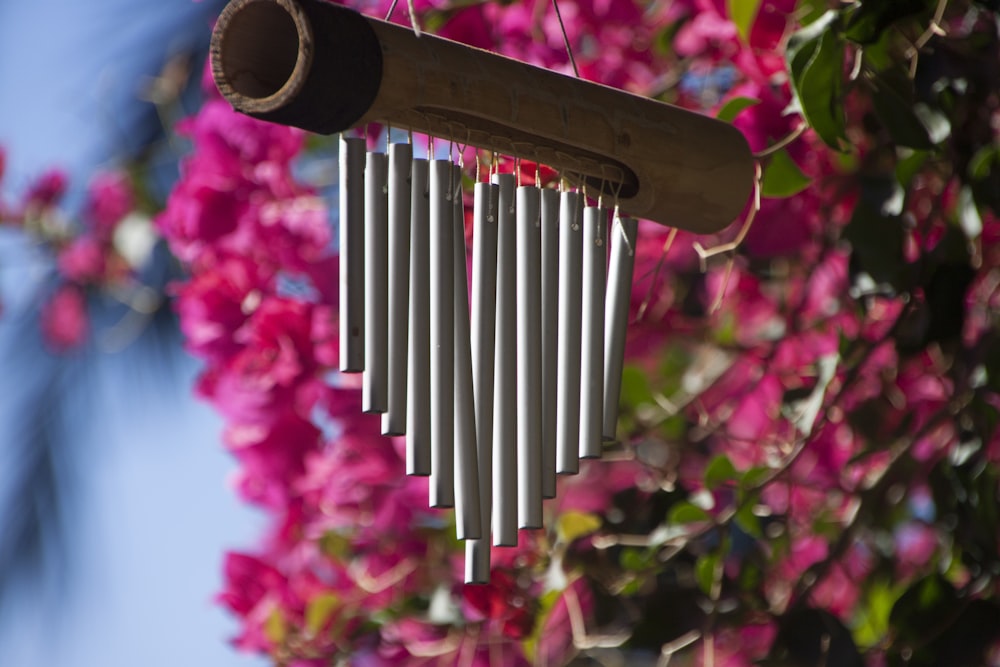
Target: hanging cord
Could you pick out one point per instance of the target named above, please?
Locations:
(413, 15)
(562, 27)
(617, 224)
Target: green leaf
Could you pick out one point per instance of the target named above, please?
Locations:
(783, 178)
(748, 522)
(918, 612)
(754, 476)
(731, 109)
(635, 389)
(803, 413)
(743, 13)
(319, 610)
(872, 616)
(637, 559)
(982, 162)
(810, 10)
(968, 214)
(335, 546)
(870, 19)
(572, 525)
(705, 572)
(719, 471)
(893, 102)
(935, 121)
(276, 627)
(685, 512)
(545, 606)
(815, 56)
(908, 164)
(877, 239)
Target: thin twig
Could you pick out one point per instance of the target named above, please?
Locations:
(787, 139)
(705, 253)
(656, 273)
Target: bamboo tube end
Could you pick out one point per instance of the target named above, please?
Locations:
(262, 54)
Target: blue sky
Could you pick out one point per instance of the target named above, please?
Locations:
(151, 514)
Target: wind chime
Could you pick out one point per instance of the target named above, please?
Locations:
(497, 399)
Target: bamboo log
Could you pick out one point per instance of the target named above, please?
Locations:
(325, 68)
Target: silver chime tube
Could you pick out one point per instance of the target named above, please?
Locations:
(529, 358)
(623, 238)
(418, 395)
(374, 396)
(568, 356)
(484, 292)
(442, 229)
(468, 499)
(550, 336)
(592, 331)
(400, 164)
(352, 254)
(505, 416)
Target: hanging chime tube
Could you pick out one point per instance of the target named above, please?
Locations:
(484, 292)
(374, 388)
(442, 489)
(550, 336)
(400, 162)
(505, 417)
(418, 395)
(592, 332)
(352, 254)
(468, 517)
(568, 356)
(624, 232)
(529, 358)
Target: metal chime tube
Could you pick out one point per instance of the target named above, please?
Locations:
(418, 395)
(568, 356)
(400, 163)
(374, 395)
(529, 358)
(442, 310)
(623, 238)
(352, 254)
(468, 517)
(505, 417)
(550, 336)
(484, 291)
(592, 331)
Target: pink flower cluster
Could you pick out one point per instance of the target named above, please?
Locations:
(769, 358)
(354, 553)
(86, 256)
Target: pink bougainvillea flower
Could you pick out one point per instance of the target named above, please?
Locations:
(47, 190)
(203, 208)
(276, 356)
(64, 319)
(215, 304)
(272, 457)
(109, 199)
(503, 601)
(83, 260)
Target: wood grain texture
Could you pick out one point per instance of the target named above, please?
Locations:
(662, 163)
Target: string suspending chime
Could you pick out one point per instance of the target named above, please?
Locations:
(497, 396)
